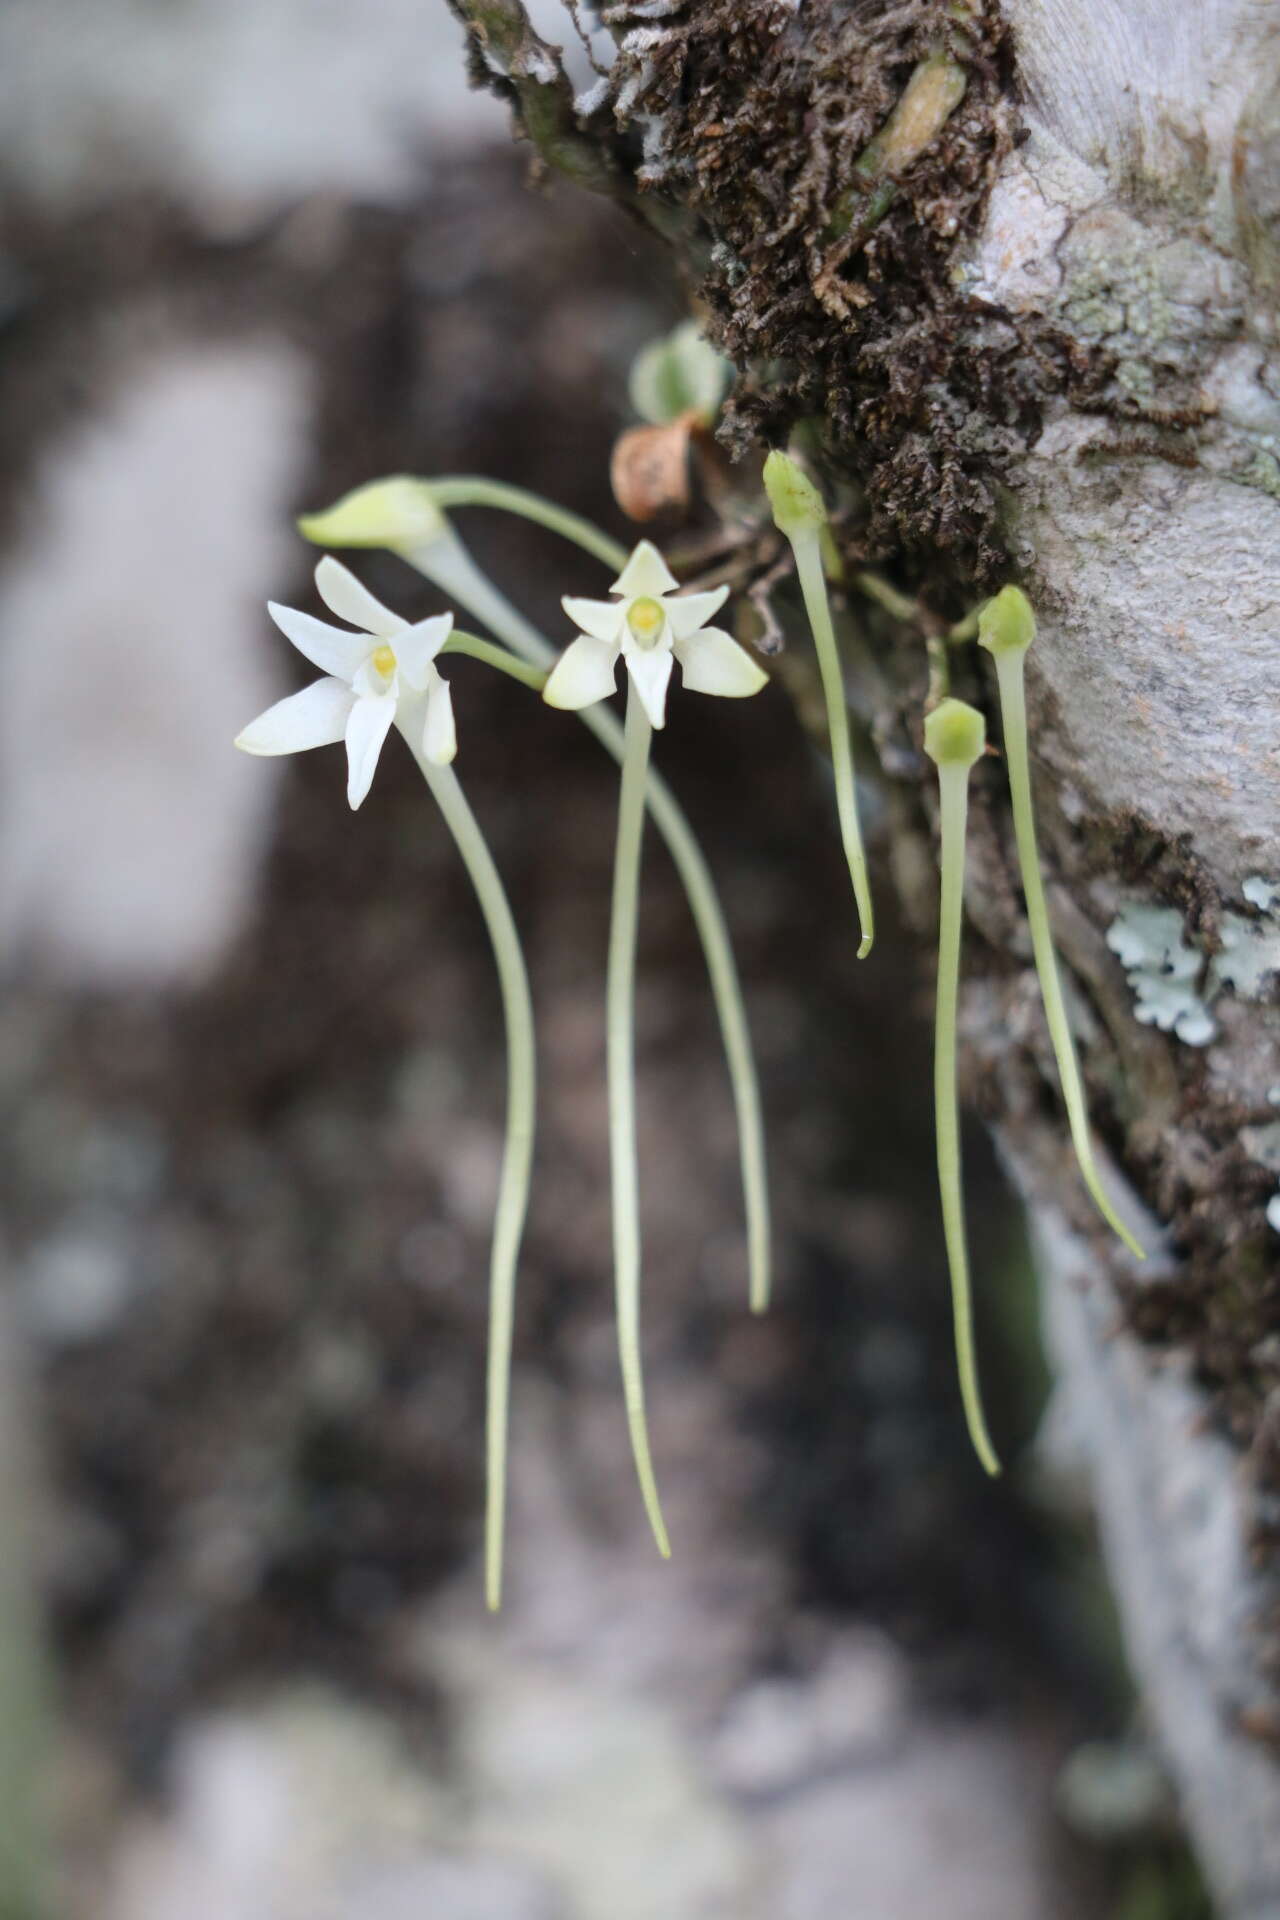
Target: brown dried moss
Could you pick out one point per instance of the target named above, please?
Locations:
(756, 119)
(748, 134)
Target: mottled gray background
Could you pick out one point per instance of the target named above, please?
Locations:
(251, 1103)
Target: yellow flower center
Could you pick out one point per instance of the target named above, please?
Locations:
(384, 661)
(646, 619)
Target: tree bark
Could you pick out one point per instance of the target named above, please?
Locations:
(1047, 351)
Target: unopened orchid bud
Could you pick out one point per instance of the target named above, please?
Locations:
(955, 734)
(1007, 623)
(398, 513)
(797, 505)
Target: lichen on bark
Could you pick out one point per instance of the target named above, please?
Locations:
(1042, 345)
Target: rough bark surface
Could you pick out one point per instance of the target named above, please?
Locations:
(1051, 356)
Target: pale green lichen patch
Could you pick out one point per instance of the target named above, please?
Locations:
(1173, 982)
(1250, 955)
(1135, 378)
(1163, 972)
(1262, 472)
(1159, 309)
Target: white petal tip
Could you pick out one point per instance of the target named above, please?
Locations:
(585, 672)
(711, 662)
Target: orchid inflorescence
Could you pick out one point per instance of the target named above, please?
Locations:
(381, 671)
(386, 675)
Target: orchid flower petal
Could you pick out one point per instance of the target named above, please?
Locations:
(417, 646)
(689, 611)
(710, 662)
(439, 735)
(585, 672)
(332, 649)
(650, 671)
(346, 596)
(646, 572)
(316, 717)
(602, 619)
(367, 727)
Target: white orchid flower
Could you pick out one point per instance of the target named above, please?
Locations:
(371, 676)
(650, 625)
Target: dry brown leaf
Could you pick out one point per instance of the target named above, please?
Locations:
(651, 469)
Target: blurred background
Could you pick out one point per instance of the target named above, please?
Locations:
(254, 252)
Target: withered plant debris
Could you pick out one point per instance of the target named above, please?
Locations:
(748, 134)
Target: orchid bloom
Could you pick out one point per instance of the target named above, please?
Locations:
(371, 676)
(650, 625)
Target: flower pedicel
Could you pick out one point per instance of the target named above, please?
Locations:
(382, 676)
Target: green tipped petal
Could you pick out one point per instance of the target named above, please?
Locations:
(796, 502)
(1007, 623)
(395, 513)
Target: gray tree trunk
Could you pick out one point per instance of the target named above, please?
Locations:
(1099, 416)
(1150, 184)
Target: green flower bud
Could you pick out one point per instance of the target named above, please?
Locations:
(796, 502)
(955, 734)
(1007, 624)
(396, 513)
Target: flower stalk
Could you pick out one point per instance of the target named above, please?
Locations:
(502, 658)
(954, 738)
(473, 490)
(517, 1148)
(620, 1032)
(799, 513)
(401, 515)
(1006, 628)
(487, 604)
(381, 675)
